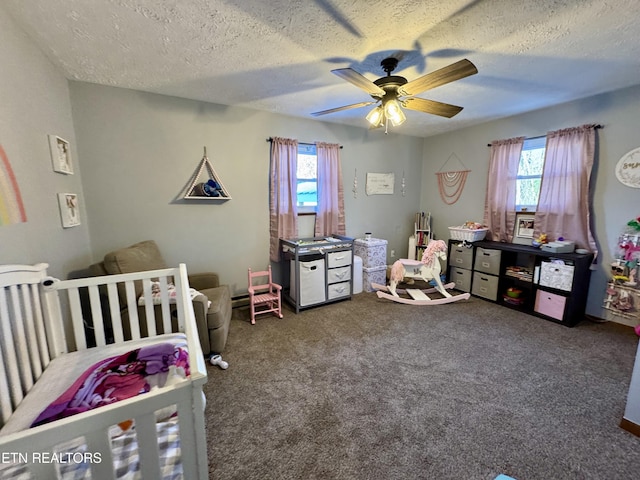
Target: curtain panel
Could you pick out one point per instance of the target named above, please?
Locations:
(500, 201)
(564, 206)
(283, 199)
(330, 217)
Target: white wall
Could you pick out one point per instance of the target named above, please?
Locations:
(34, 102)
(139, 150)
(614, 204)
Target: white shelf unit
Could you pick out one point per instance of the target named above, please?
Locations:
(421, 235)
(196, 184)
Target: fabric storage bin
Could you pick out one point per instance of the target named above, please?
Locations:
(487, 261)
(312, 282)
(339, 274)
(485, 286)
(373, 275)
(462, 279)
(550, 304)
(339, 259)
(337, 290)
(556, 275)
(373, 252)
(461, 257)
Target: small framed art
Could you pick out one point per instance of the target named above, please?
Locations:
(60, 155)
(69, 209)
(524, 226)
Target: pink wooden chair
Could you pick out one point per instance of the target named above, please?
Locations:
(264, 297)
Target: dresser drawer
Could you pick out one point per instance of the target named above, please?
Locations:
(461, 257)
(487, 261)
(337, 290)
(485, 286)
(550, 304)
(462, 278)
(340, 274)
(339, 259)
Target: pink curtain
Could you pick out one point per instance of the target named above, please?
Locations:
(500, 201)
(283, 200)
(330, 210)
(564, 204)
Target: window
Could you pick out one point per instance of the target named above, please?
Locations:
(307, 178)
(529, 175)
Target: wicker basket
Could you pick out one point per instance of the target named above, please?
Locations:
(457, 233)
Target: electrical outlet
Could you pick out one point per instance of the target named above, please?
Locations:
(393, 253)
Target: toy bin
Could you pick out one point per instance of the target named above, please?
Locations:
(373, 275)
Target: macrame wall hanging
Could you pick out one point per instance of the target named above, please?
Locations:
(451, 182)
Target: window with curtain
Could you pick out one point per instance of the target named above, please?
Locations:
(287, 189)
(563, 206)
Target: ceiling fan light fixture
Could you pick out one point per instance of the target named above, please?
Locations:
(394, 113)
(376, 116)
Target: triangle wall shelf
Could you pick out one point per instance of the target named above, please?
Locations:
(209, 189)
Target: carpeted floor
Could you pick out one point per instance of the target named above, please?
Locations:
(371, 389)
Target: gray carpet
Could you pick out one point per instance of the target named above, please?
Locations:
(371, 389)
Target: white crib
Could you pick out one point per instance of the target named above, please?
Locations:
(38, 344)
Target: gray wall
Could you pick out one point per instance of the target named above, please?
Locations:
(614, 203)
(34, 102)
(139, 151)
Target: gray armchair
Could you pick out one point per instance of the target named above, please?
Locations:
(212, 320)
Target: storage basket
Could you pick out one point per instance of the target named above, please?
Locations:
(457, 233)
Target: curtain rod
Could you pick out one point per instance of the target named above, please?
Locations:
(597, 127)
(270, 139)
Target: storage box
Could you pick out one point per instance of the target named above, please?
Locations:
(373, 252)
(337, 290)
(312, 282)
(550, 304)
(462, 279)
(467, 234)
(487, 261)
(485, 286)
(461, 257)
(556, 275)
(560, 246)
(339, 259)
(373, 275)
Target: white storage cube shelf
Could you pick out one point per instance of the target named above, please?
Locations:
(373, 252)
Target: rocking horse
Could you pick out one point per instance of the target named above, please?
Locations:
(427, 269)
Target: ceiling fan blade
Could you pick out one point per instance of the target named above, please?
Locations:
(431, 106)
(455, 71)
(360, 81)
(346, 107)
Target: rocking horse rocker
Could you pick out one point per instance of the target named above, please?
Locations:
(426, 269)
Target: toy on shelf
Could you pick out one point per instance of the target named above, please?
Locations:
(540, 240)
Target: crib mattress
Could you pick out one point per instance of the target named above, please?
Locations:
(63, 371)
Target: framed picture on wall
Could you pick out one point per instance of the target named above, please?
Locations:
(60, 155)
(524, 226)
(69, 209)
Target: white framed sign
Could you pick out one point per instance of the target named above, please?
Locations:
(628, 169)
(380, 183)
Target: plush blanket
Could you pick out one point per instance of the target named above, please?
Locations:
(118, 378)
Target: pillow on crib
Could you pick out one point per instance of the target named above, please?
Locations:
(156, 294)
(118, 378)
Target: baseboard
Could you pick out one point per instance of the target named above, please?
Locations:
(240, 301)
(630, 426)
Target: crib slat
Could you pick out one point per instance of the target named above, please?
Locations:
(77, 318)
(114, 310)
(148, 445)
(41, 335)
(132, 308)
(31, 339)
(149, 311)
(99, 441)
(5, 400)
(96, 315)
(188, 446)
(9, 350)
(166, 311)
(19, 336)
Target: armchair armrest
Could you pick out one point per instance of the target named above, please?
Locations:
(203, 281)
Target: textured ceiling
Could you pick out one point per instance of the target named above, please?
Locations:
(276, 55)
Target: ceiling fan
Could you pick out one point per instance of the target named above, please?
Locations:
(393, 92)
